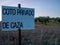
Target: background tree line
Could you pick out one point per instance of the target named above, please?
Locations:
(45, 20)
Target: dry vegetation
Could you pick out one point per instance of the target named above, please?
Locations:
(41, 35)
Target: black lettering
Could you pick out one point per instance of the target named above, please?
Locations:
(8, 11)
(5, 25)
(32, 12)
(27, 12)
(12, 11)
(20, 12)
(21, 25)
(4, 11)
(12, 25)
(16, 25)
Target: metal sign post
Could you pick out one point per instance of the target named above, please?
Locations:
(19, 29)
(19, 34)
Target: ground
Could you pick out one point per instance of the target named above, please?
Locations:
(41, 35)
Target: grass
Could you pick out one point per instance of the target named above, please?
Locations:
(53, 24)
(49, 24)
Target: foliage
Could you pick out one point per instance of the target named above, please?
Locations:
(45, 20)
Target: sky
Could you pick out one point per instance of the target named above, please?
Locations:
(49, 8)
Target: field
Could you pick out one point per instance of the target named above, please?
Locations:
(41, 35)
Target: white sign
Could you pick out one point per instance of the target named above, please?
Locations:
(14, 18)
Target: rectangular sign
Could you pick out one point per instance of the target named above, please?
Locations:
(14, 18)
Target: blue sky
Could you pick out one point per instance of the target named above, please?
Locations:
(42, 7)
